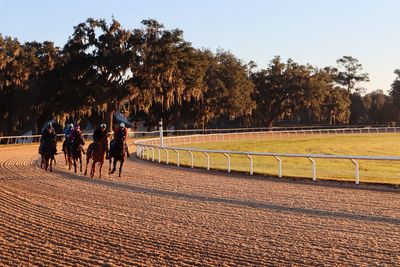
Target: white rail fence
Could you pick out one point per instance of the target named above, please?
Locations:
(145, 147)
(31, 139)
(191, 133)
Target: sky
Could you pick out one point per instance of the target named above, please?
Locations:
(308, 31)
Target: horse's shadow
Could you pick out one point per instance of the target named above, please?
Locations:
(245, 203)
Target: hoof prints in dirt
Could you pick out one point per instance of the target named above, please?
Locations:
(156, 215)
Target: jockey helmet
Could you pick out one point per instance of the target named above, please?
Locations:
(49, 125)
(103, 126)
(122, 125)
(70, 126)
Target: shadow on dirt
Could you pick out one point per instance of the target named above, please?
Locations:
(229, 201)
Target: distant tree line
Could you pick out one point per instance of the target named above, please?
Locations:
(152, 73)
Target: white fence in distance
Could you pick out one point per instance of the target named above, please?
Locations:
(145, 146)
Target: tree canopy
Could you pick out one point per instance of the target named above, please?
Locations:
(152, 73)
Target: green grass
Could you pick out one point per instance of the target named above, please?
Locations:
(362, 144)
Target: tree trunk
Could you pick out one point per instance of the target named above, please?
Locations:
(35, 129)
(270, 123)
(110, 118)
(3, 127)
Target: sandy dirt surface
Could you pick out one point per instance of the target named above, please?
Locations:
(157, 215)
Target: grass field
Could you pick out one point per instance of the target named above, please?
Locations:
(363, 144)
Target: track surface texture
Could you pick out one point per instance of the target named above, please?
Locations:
(157, 215)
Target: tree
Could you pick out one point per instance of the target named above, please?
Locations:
(281, 89)
(380, 109)
(165, 73)
(348, 74)
(229, 90)
(395, 88)
(100, 58)
(40, 58)
(14, 74)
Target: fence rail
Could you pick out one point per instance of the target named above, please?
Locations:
(145, 146)
(30, 139)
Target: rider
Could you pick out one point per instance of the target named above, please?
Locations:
(75, 135)
(98, 135)
(67, 132)
(76, 132)
(48, 135)
(121, 134)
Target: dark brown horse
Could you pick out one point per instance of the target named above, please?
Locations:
(66, 147)
(75, 152)
(117, 153)
(47, 153)
(97, 155)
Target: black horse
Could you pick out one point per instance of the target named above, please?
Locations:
(66, 148)
(75, 152)
(48, 152)
(118, 152)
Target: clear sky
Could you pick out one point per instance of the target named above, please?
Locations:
(308, 31)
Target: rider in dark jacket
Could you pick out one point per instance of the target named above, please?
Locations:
(67, 141)
(121, 134)
(48, 135)
(98, 135)
(68, 130)
(75, 133)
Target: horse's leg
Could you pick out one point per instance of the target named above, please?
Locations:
(120, 166)
(51, 165)
(69, 162)
(109, 165)
(87, 162)
(93, 169)
(114, 165)
(75, 164)
(80, 163)
(101, 165)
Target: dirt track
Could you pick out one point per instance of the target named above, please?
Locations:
(159, 215)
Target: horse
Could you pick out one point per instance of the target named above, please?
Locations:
(48, 153)
(118, 153)
(75, 152)
(66, 147)
(97, 155)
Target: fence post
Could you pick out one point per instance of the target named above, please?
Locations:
(137, 151)
(279, 166)
(192, 159)
(166, 152)
(208, 160)
(159, 155)
(251, 164)
(357, 175)
(229, 161)
(147, 153)
(161, 134)
(142, 152)
(152, 150)
(314, 169)
(177, 157)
